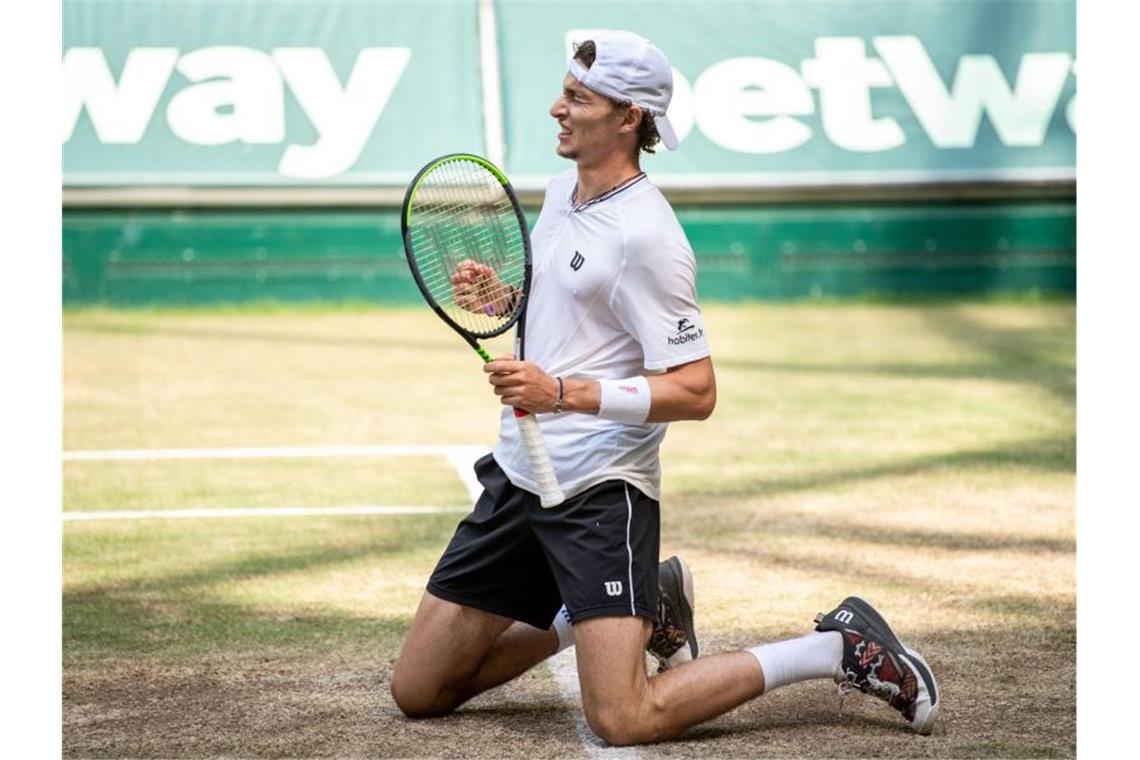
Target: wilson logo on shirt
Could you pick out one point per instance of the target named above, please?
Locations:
(686, 332)
(577, 262)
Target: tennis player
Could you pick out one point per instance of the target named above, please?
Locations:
(617, 350)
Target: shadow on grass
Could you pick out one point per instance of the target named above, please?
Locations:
(1015, 355)
(179, 615)
(1045, 454)
(115, 624)
(918, 538)
(275, 338)
(864, 577)
(1016, 351)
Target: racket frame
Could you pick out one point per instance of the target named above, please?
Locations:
(550, 492)
(519, 315)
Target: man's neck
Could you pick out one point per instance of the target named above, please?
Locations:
(595, 180)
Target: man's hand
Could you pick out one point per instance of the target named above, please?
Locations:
(522, 384)
(477, 288)
(684, 392)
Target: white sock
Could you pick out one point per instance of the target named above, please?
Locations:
(563, 628)
(816, 655)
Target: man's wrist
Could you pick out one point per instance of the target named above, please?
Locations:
(626, 400)
(580, 395)
(560, 401)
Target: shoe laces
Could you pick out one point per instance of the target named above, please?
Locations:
(845, 687)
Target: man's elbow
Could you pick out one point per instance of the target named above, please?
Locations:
(706, 403)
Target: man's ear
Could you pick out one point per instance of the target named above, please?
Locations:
(631, 120)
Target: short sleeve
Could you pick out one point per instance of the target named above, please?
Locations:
(655, 298)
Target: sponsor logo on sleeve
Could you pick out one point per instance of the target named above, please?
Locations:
(686, 332)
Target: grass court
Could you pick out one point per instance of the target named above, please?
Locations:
(922, 456)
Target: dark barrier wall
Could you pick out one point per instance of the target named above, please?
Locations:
(782, 252)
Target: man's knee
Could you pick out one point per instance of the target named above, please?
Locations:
(417, 698)
(610, 727)
(621, 723)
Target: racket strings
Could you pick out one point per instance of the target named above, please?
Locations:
(461, 213)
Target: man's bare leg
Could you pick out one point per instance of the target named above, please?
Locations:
(623, 705)
(452, 652)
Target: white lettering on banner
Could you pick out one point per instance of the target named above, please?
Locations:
(730, 92)
(1071, 109)
(344, 117)
(844, 77)
(119, 113)
(747, 104)
(250, 83)
(242, 78)
(951, 119)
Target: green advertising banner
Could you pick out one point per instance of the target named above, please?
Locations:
(266, 93)
(773, 93)
(767, 94)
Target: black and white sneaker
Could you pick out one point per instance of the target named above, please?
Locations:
(674, 639)
(875, 662)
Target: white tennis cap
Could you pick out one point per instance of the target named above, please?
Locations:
(628, 67)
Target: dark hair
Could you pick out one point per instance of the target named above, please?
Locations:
(647, 135)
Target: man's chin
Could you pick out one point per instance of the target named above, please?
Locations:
(566, 152)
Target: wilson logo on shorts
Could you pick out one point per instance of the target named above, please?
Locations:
(613, 588)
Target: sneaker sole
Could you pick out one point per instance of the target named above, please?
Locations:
(676, 566)
(927, 712)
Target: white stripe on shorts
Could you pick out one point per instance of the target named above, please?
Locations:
(628, 548)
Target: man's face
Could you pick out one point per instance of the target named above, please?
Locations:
(589, 123)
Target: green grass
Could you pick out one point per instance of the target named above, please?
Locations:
(178, 589)
(177, 484)
(920, 455)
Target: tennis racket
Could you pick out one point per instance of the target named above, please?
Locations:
(461, 215)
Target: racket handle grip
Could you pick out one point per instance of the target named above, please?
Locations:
(549, 492)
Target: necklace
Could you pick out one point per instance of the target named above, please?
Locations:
(626, 183)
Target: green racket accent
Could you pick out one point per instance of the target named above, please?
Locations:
(467, 244)
(411, 195)
(462, 220)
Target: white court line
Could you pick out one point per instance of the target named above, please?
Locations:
(460, 457)
(463, 458)
(564, 666)
(215, 512)
(268, 452)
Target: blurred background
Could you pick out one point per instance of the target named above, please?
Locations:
(236, 151)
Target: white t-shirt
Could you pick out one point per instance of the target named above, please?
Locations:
(613, 295)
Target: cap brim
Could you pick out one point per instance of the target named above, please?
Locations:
(665, 129)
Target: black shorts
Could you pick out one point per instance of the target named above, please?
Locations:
(596, 552)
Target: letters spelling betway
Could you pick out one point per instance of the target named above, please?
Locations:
(746, 104)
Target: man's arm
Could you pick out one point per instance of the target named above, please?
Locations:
(684, 392)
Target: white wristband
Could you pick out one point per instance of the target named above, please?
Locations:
(625, 400)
